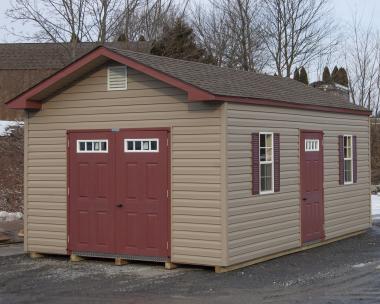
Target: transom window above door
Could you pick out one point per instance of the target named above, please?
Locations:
(141, 145)
(92, 146)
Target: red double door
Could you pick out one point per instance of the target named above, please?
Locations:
(312, 204)
(118, 192)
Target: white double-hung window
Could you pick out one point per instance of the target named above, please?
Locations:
(266, 162)
(347, 154)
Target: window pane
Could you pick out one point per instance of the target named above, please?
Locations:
(153, 145)
(130, 145)
(145, 145)
(268, 142)
(82, 146)
(266, 177)
(96, 146)
(89, 146)
(262, 154)
(138, 145)
(262, 140)
(104, 146)
(348, 152)
(269, 154)
(348, 171)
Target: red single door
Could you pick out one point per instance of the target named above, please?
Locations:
(91, 192)
(312, 206)
(142, 220)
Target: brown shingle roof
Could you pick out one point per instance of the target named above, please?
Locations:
(229, 82)
(40, 56)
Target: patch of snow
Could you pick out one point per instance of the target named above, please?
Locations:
(361, 265)
(10, 216)
(375, 206)
(4, 124)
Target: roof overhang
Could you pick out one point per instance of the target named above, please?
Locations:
(32, 98)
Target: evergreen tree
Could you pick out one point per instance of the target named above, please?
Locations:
(334, 74)
(179, 42)
(122, 37)
(296, 75)
(303, 76)
(341, 77)
(326, 77)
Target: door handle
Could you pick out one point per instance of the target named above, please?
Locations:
(119, 205)
(304, 199)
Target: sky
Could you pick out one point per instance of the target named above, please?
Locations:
(343, 10)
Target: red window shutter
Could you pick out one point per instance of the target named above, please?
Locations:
(255, 163)
(341, 160)
(276, 161)
(354, 160)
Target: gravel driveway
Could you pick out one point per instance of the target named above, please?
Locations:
(344, 272)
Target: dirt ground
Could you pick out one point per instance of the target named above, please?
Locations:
(344, 272)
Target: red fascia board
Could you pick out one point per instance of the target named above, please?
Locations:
(291, 105)
(25, 100)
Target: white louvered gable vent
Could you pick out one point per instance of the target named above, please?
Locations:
(117, 77)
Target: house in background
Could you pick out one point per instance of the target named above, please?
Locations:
(138, 157)
(22, 65)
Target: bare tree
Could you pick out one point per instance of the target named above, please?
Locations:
(229, 29)
(213, 33)
(147, 18)
(296, 32)
(105, 17)
(59, 21)
(362, 55)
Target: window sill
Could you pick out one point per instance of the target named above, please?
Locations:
(266, 192)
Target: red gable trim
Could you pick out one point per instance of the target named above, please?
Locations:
(26, 99)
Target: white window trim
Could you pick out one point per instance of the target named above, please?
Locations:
(348, 158)
(266, 162)
(108, 78)
(141, 139)
(91, 140)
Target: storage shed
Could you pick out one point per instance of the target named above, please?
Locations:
(139, 157)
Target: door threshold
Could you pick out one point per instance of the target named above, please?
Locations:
(312, 242)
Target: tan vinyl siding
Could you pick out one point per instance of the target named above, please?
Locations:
(266, 224)
(196, 224)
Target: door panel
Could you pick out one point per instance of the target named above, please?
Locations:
(142, 185)
(92, 195)
(312, 205)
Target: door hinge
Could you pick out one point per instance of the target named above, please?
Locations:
(68, 191)
(68, 143)
(167, 193)
(167, 245)
(68, 238)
